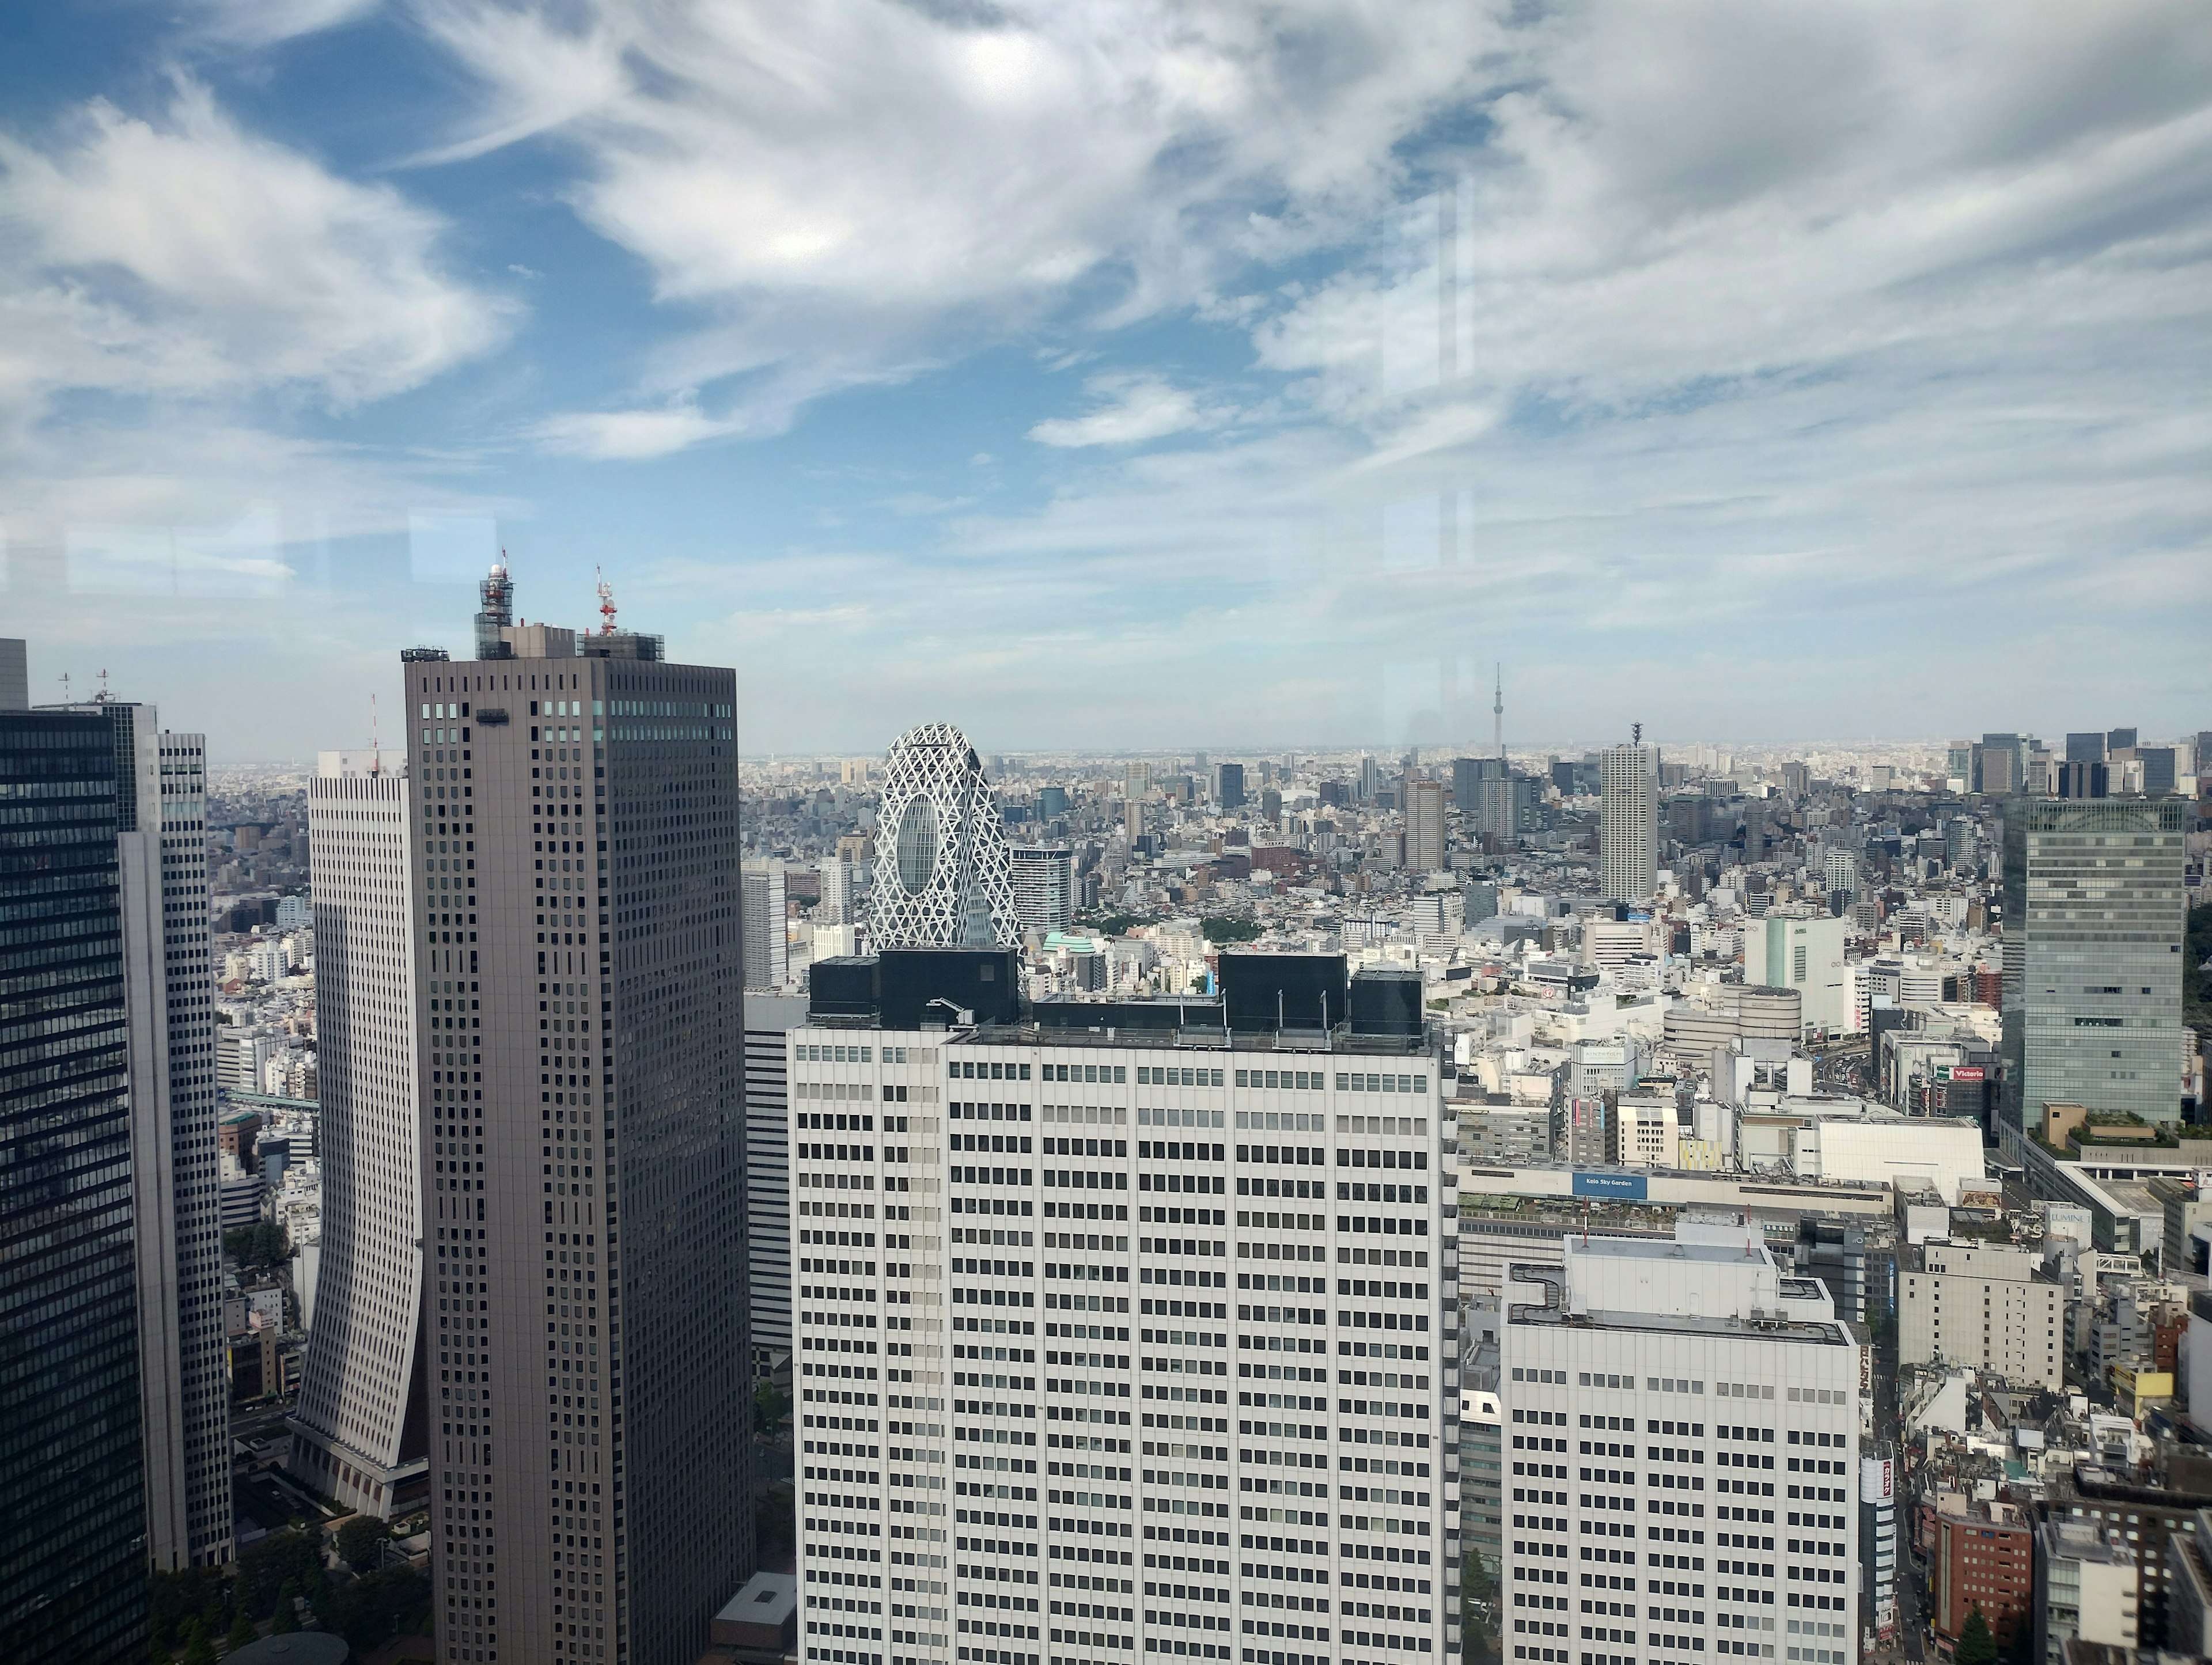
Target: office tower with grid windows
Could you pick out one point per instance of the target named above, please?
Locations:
(72, 1482)
(2095, 909)
(160, 819)
(1118, 1342)
(1628, 822)
(1681, 1447)
(361, 1433)
(767, 954)
(1044, 886)
(1424, 826)
(768, 1019)
(579, 1065)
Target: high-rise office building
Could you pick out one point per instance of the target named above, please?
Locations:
(768, 1019)
(1806, 954)
(2119, 739)
(361, 1433)
(838, 903)
(2001, 765)
(1681, 1427)
(1425, 825)
(72, 1484)
(1628, 824)
(1044, 886)
(2095, 908)
(1228, 785)
(1136, 781)
(1157, 1339)
(2085, 748)
(765, 920)
(160, 818)
(1370, 780)
(942, 876)
(580, 1057)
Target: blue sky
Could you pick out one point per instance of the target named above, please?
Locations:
(1125, 375)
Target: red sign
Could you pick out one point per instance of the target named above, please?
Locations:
(1968, 1072)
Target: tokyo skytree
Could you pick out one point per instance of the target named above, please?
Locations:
(944, 875)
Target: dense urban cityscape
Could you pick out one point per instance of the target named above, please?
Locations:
(1702, 1076)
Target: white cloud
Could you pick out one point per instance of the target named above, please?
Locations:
(891, 181)
(187, 258)
(1137, 409)
(266, 23)
(629, 435)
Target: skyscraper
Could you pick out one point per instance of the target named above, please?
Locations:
(2094, 909)
(942, 878)
(361, 1433)
(579, 1055)
(2088, 748)
(1628, 806)
(72, 1485)
(768, 1019)
(767, 952)
(160, 818)
(1229, 786)
(1719, 1397)
(1044, 886)
(1163, 1349)
(1425, 825)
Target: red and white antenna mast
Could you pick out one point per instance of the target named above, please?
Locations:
(606, 604)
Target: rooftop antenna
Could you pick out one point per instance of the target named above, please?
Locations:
(1636, 733)
(375, 739)
(65, 688)
(606, 604)
(1498, 711)
(101, 696)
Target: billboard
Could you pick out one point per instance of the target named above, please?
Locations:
(1877, 1479)
(1968, 1072)
(1622, 1187)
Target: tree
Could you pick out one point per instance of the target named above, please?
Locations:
(371, 1610)
(291, 1556)
(1221, 929)
(198, 1651)
(770, 1406)
(1976, 1645)
(259, 1244)
(361, 1542)
(242, 1631)
(287, 1615)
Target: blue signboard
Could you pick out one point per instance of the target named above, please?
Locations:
(1627, 1188)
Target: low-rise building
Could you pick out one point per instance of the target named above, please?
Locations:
(1983, 1559)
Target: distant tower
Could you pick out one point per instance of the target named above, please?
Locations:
(1498, 713)
(943, 878)
(495, 610)
(1628, 831)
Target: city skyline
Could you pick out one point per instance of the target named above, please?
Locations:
(1485, 344)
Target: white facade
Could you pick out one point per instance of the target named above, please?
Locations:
(1112, 1351)
(1983, 1306)
(1649, 1132)
(1044, 887)
(942, 872)
(1912, 1154)
(1628, 809)
(1806, 955)
(350, 1433)
(185, 1368)
(1679, 1458)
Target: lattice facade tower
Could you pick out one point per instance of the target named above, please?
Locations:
(943, 873)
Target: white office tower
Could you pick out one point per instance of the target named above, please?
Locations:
(1628, 825)
(1112, 1347)
(763, 921)
(1044, 887)
(942, 869)
(361, 1433)
(183, 1381)
(839, 905)
(1681, 1433)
